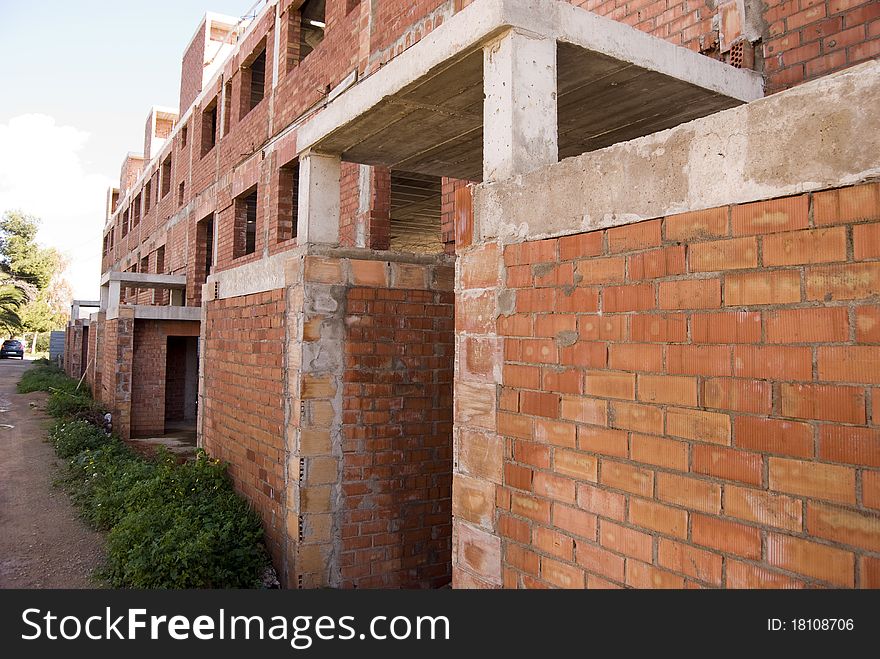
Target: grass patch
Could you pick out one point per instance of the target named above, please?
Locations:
(168, 524)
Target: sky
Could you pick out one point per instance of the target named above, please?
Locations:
(76, 85)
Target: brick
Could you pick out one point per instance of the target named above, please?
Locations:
(726, 536)
(697, 224)
(786, 214)
(539, 351)
(584, 410)
(738, 395)
(866, 241)
(514, 529)
(575, 521)
(660, 328)
(690, 294)
(623, 476)
(590, 354)
(671, 389)
(871, 489)
(551, 324)
(867, 324)
(530, 453)
(581, 245)
(764, 508)
(369, 273)
(578, 300)
(853, 204)
(515, 425)
(635, 357)
(843, 282)
(524, 377)
(659, 451)
(601, 502)
(850, 445)
(515, 325)
(812, 246)
(539, 403)
(746, 575)
(828, 564)
(528, 253)
(813, 479)
(602, 328)
(726, 327)
(773, 362)
(531, 300)
(774, 436)
(762, 287)
(522, 559)
(849, 364)
(659, 518)
(480, 356)
(553, 543)
(690, 561)
(723, 255)
(634, 297)
(601, 271)
(323, 270)
(480, 455)
(558, 433)
(602, 440)
(562, 575)
(641, 418)
(642, 575)
(548, 274)
(599, 561)
(701, 425)
(846, 527)
(473, 500)
(657, 263)
(625, 541)
(526, 505)
(475, 405)
(581, 466)
(691, 493)
(823, 402)
(814, 325)
(698, 360)
(475, 313)
(480, 267)
(608, 384)
(728, 464)
(869, 568)
(634, 236)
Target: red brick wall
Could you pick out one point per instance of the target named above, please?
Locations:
(192, 69)
(397, 434)
(808, 39)
(243, 414)
(693, 400)
(148, 365)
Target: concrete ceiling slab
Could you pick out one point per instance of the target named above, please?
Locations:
(423, 112)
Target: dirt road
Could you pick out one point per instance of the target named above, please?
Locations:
(43, 544)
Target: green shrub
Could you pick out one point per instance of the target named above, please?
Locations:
(170, 525)
(44, 376)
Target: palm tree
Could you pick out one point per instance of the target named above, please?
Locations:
(13, 295)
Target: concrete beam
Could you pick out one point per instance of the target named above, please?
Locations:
(144, 280)
(519, 110)
(818, 135)
(318, 210)
(165, 312)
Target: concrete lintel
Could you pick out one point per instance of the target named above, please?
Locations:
(254, 277)
(165, 312)
(483, 20)
(822, 134)
(145, 280)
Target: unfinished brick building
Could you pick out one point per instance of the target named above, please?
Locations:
(517, 293)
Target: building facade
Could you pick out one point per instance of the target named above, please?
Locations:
(516, 293)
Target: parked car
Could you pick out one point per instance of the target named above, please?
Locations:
(12, 348)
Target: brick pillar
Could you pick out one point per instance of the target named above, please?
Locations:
(117, 371)
(479, 450)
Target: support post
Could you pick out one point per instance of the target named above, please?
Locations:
(318, 210)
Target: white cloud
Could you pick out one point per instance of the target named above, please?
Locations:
(42, 173)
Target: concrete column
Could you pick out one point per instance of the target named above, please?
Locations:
(318, 210)
(519, 113)
(114, 293)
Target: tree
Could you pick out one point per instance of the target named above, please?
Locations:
(38, 294)
(20, 256)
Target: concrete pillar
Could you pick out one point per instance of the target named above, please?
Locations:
(178, 297)
(318, 210)
(114, 294)
(519, 113)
